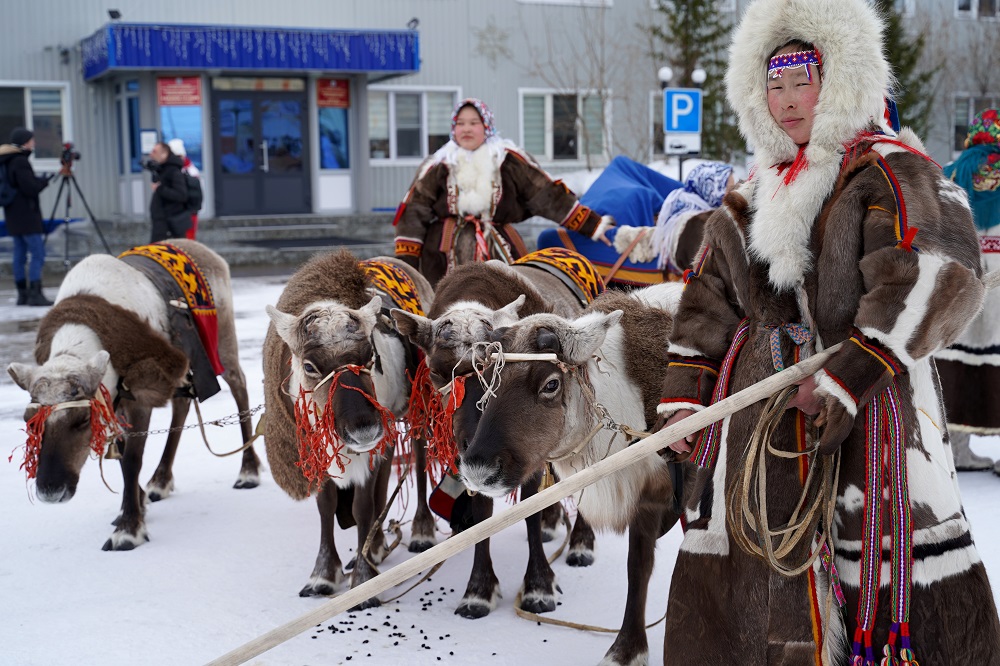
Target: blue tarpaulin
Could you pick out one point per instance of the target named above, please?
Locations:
(119, 46)
(631, 193)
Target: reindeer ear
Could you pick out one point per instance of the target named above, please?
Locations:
(22, 374)
(96, 367)
(369, 313)
(508, 314)
(284, 324)
(584, 336)
(419, 330)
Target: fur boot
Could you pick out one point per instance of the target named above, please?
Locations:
(965, 459)
(22, 291)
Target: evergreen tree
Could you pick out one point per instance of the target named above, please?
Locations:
(688, 34)
(913, 94)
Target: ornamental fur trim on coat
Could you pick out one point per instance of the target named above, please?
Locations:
(856, 81)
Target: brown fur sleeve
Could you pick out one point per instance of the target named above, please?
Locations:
(416, 213)
(542, 196)
(706, 321)
(917, 299)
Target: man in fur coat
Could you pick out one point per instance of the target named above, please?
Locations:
(845, 232)
(479, 177)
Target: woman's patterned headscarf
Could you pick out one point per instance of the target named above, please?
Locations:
(977, 169)
(483, 111)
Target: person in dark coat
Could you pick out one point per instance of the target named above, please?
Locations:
(168, 208)
(24, 217)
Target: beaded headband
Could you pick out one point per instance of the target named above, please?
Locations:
(779, 63)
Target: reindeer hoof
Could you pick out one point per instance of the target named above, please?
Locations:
(157, 491)
(549, 534)
(419, 544)
(121, 540)
(247, 480)
(580, 557)
(473, 610)
(538, 602)
(351, 564)
(625, 657)
(374, 602)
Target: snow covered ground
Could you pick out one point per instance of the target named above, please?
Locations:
(224, 566)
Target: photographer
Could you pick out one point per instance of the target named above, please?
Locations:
(168, 208)
(23, 216)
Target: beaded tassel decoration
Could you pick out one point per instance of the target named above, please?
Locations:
(884, 425)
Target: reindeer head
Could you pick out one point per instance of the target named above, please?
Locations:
(66, 438)
(540, 410)
(333, 352)
(451, 343)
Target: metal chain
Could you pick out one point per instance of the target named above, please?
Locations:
(232, 419)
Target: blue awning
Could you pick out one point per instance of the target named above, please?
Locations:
(132, 46)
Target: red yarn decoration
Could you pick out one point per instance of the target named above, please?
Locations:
(104, 425)
(319, 445)
(35, 427)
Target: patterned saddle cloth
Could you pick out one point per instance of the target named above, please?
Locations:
(194, 325)
(574, 269)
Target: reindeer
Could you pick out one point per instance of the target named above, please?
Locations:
(470, 303)
(606, 365)
(337, 376)
(104, 356)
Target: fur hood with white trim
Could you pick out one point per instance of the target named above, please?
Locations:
(856, 80)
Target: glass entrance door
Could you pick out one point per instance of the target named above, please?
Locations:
(262, 147)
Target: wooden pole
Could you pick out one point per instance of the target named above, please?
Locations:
(439, 553)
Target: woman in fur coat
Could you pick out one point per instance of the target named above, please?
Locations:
(477, 176)
(845, 232)
(970, 369)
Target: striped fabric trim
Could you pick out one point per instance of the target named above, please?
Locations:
(881, 355)
(409, 248)
(698, 267)
(904, 233)
(576, 218)
(989, 244)
(696, 364)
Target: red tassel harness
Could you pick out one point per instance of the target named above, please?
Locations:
(104, 427)
(319, 445)
(430, 416)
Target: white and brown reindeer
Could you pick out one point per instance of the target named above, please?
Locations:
(104, 357)
(469, 304)
(337, 376)
(606, 364)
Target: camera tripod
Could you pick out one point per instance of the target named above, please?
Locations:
(67, 183)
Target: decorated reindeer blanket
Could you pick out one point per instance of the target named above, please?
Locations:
(194, 324)
(572, 268)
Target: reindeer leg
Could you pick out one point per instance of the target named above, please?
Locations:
(539, 590)
(422, 532)
(630, 647)
(131, 528)
(483, 591)
(162, 481)
(550, 519)
(369, 502)
(328, 572)
(581, 544)
(250, 468)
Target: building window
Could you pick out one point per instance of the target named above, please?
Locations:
(563, 126)
(40, 109)
(127, 116)
(966, 107)
(575, 3)
(408, 124)
(985, 9)
(333, 98)
(184, 123)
